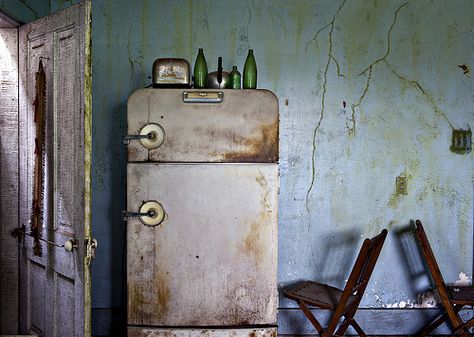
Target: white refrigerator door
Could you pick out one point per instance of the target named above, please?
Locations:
(213, 259)
(241, 128)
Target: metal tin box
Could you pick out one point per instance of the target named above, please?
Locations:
(169, 72)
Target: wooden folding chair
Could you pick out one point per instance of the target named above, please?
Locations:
(343, 303)
(453, 298)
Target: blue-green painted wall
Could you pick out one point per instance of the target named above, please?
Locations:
(25, 10)
(368, 90)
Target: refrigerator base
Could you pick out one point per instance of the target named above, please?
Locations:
(195, 332)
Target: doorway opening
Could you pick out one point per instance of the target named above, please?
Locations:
(9, 247)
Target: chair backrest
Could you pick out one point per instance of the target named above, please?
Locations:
(360, 274)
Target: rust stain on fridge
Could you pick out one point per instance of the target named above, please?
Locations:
(261, 148)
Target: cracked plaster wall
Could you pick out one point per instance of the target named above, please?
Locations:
(368, 90)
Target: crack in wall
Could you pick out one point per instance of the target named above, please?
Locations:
(368, 71)
(352, 128)
(418, 86)
(318, 124)
(383, 60)
(389, 42)
(133, 62)
(323, 97)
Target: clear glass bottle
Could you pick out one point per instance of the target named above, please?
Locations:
(250, 71)
(235, 78)
(200, 70)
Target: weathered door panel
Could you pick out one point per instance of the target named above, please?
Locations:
(242, 128)
(8, 180)
(55, 287)
(243, 332)
(213, 260)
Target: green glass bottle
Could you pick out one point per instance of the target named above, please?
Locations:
(250, 71)
(235, 78)
(200, 70)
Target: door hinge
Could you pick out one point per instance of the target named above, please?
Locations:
(91, 245)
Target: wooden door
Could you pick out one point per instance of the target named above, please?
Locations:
(55, 285)
(8, 180)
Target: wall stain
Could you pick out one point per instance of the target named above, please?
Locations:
(465, 68)
(144, 39)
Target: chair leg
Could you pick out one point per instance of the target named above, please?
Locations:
(436, 323)
(463, 329)
(357, 328)
(311, 318)
(343, 327)
(433, 325)
(345, 324)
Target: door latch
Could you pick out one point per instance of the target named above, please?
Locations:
(151, 136)
(127, 215)
(151, 213)
(91, 245)
(128, 138)
(69, 245)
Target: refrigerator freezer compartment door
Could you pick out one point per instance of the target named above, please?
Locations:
(213, 259)
(203, 332)
(242, 128)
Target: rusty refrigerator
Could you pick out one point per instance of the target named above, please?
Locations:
(202, 197)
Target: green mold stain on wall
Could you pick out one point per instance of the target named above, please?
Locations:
(181, 31)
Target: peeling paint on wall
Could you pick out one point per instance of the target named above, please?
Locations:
(424, 300)
(463, 280)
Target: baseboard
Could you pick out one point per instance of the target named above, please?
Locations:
(112, 321)
(373, 321)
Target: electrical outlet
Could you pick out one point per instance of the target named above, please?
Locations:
(461, 141)
(401, 185)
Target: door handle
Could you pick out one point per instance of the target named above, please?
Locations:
(69, 245)
(203, 96)
(128, 138)
(151, 213)
(127, 215)
(151, 136)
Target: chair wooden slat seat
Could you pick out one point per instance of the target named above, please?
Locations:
(453, 298)
(342, 302)
(318, 295)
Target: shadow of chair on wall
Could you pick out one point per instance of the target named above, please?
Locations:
(416, 273)
(338, 254)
